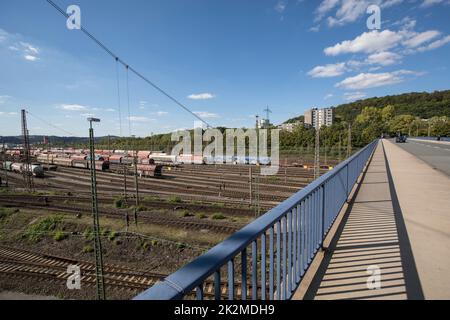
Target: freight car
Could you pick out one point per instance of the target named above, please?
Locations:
(149, 170)
(164, 159)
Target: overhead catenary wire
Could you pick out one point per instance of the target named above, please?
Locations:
(137, 73)
(51, 125)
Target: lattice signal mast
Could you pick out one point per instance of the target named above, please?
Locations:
(27, 171)
(317, 150)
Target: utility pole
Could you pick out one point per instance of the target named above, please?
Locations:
(339, 147)
(349, 141)
(27, 172)
(4, 164)
(97, 242)
(136, 184)
(250, 180)
(317, 151)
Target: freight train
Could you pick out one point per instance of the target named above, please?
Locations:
(36, 168)
(73, 162)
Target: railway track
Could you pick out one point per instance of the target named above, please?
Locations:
(22, 264)
(114, 182)
(153, 205)
(182, 223)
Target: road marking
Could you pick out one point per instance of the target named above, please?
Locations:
(429, 146)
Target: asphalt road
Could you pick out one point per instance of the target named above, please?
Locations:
(436, 155)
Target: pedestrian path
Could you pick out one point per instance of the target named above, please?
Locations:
(367, 258)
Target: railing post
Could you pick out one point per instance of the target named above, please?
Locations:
(348, 169)
(323, 216)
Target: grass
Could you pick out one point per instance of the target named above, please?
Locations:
(202, 216)
(151, 198)
(174, 199)
(44, 227)
(7, 212)
(139, 208)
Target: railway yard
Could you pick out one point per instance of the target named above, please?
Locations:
(179, 216)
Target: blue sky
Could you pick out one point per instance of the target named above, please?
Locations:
(225, 59)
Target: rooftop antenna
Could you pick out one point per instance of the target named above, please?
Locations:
(267, 110)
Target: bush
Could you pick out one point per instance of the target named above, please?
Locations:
(59, 235)
(88, 234)
(112, 236)
(185, 214)
(218, 216)
(151, 198)
(120, 203)
(202, 216)
(88, 248)
(141, 208)
(174, 199)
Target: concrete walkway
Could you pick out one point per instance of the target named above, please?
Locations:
(398, 224)
(424, 199)
(367, 241)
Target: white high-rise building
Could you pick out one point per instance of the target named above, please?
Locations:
(319, 117)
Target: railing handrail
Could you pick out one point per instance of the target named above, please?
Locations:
(184, 280)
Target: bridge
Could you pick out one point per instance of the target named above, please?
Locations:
(375, 227)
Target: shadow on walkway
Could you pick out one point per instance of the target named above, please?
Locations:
(372, 237)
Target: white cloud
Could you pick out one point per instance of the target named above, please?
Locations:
(110, 110)
(373, 80)
(429, 3)
(324, 7)
(29, 57)
(139, 119)
(407, 23)
(202, 96)
(28, 51)
(421, 38)
(29, 48)
(4, 98)
(87, 115)
(327, 71)
(384, 58)
(73, 107)
(161, 113)
(8, 113)
(368, 42)
(348, 11)
(353, 96)
(328, 96)
(434, 45)
(206, 115)
(390, 3)
(281, 6)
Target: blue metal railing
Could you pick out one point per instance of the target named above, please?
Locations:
(293, 232)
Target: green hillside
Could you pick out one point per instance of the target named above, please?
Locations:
(417, 104)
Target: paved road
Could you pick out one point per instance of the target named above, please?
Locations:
(436, 155)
